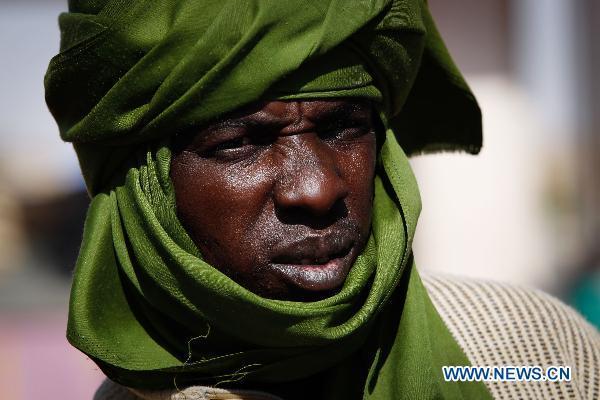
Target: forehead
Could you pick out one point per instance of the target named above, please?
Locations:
(287, 112)
(278, 115)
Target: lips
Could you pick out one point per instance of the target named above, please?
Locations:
(315, 263)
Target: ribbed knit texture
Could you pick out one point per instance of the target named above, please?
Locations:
(495, 324)
(500, 324)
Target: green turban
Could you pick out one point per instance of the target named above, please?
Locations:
(144, 306)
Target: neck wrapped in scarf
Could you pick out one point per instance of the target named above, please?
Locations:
(144, 305)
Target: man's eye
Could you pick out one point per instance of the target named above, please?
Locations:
(231, 144)
(236, 148)
(342, 133)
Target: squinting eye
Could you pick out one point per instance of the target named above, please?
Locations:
(345, 133)
(234, 149)
(231, 144)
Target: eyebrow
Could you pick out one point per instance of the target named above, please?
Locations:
(342, 111)
(337, 114)
(345, 112)
(333, 117)
(243, 122)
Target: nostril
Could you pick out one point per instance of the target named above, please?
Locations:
(298, 215)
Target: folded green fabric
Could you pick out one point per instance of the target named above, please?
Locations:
(144, 305)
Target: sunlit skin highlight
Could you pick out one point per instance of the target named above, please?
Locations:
(278, 196)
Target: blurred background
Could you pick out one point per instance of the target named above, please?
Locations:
(525, 211)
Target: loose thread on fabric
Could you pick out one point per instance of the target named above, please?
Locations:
(237, 375)
(189, 356)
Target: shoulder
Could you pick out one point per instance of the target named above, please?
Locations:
(110, 390)
(501, 324)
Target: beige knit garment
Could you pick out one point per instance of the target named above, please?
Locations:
(495, 324)
(500, 324)
(112, 391)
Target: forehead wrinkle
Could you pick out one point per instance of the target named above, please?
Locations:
(269, 114)
(294, 117)
(336, 106)
(274, 119)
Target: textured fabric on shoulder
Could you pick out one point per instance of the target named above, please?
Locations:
(500, 324)
(110, 390)
(495, 324)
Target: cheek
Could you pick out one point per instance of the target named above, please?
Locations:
(219, 205)
(358, 169)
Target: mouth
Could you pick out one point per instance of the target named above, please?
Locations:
(315, 264)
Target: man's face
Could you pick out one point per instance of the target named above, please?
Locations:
(278, 196)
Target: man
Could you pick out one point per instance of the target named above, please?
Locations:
(253, 208)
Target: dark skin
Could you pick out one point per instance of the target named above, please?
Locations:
(278, 196)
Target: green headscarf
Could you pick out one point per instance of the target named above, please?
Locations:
(144, 305)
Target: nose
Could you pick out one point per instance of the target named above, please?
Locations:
(310, 183)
